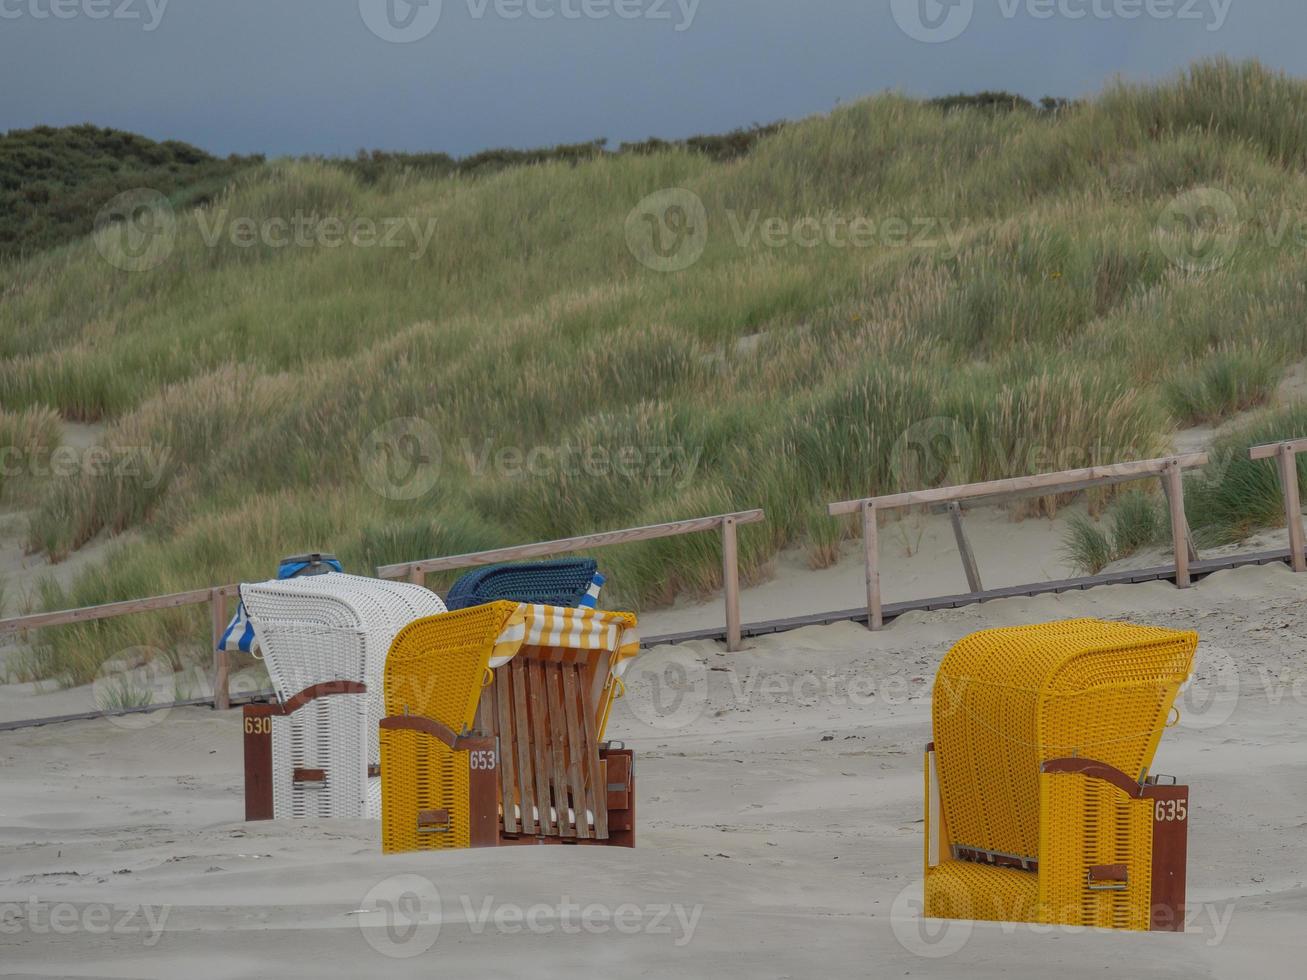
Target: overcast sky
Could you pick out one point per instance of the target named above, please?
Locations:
(332, 76)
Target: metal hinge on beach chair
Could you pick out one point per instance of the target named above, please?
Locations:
(496, 716)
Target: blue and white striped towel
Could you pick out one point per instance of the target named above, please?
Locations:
(591, 598)
(239, 635)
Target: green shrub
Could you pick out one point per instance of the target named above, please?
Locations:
(1086, 548)
(53, 181)
(1239, 495)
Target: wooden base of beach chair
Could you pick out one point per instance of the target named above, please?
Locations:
(557, 782)
(617, 772)
(257, 726)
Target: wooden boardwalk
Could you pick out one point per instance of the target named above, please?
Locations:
(1198, 570)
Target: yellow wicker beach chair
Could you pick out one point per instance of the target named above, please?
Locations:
(1039, 803)
(494, 730)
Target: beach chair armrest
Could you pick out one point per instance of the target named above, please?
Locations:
(459, 743)
(315, 691)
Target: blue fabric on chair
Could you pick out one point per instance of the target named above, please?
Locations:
(591, 598)
(239, 634)
(560, 582)
(314, 564)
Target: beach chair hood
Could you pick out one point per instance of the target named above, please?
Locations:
(1008, 700)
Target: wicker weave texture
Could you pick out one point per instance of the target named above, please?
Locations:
(1088, 822)
(431, 777)
(436, 666)
(435, 669)
(966, 890)
(310, 739)
(561, 582)
(1007, 700)
(321, 629)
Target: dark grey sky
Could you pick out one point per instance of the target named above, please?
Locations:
(311, 76)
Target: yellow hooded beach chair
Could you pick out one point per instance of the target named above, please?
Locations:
(495, 718)
(1039, 802)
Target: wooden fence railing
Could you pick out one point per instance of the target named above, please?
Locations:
(417, 571)
(216, 597)
(1169, 470)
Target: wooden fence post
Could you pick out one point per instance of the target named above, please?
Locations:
(964, 549)
(1179, 525)
(871, 544)
(1288, 460)
(731, 583)
(417, 576)
(221, 661)
(1190, 547)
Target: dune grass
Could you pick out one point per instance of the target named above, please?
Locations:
(28, 437)
(1224, 502)
(1086, 546)
(1020, 302)
(1239, 495)
(1229, 381)
(1137, 520)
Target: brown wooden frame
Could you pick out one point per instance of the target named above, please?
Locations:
(621, 820)
(540, 716)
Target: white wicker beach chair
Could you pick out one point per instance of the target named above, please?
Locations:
(324, 640)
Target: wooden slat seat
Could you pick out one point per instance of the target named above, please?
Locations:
(562, 768)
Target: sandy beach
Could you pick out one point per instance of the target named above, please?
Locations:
(779, 820)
